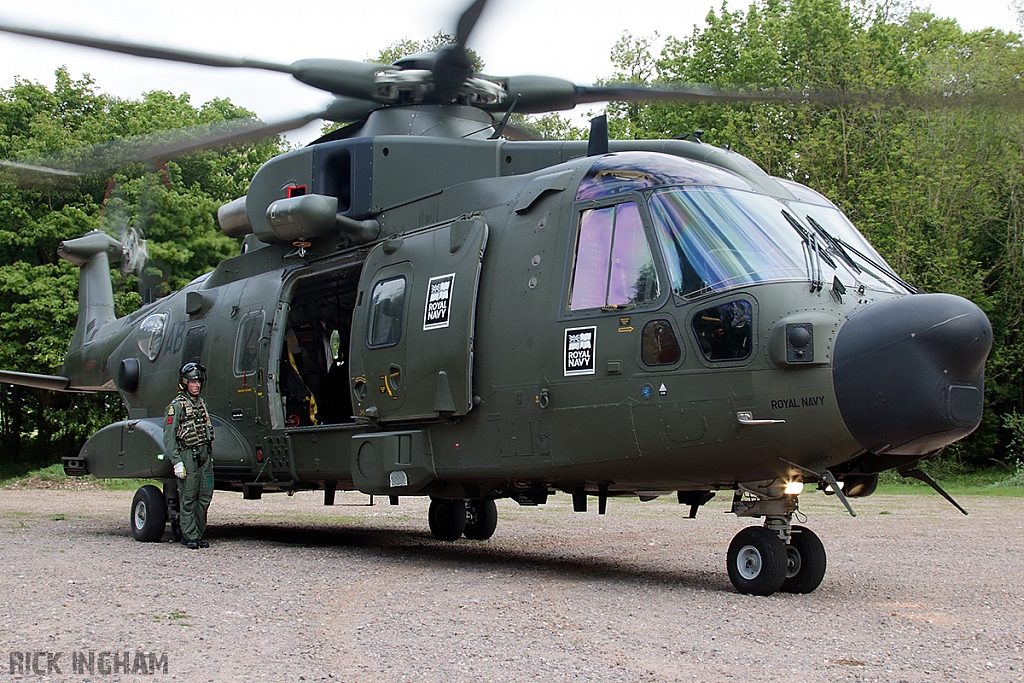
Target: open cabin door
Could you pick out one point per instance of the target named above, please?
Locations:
(413, 326)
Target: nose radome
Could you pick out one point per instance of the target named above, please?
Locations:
(909, 372)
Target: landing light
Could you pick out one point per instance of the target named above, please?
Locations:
(794, 488)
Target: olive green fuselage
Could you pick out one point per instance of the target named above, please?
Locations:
(485, 403)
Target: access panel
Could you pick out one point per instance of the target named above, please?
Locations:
(412, 331)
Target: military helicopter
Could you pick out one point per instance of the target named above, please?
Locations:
(421, 307)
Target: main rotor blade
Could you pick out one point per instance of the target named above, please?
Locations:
(152, 52)
(338, 76)
(170, 143)
(453, 66)
(696, 92)
(690, 92)
(467, 21)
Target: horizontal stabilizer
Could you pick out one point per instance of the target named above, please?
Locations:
(30, 379)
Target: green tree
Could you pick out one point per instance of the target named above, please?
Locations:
(174, 203)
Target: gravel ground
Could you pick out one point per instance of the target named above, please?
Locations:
(291, 591)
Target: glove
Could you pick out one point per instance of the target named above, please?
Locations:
(179, 470)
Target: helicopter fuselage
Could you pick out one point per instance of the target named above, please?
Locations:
(529, 319)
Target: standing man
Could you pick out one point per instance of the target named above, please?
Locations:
(188, 440)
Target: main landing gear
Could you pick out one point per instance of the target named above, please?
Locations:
(152, 509)
(450, 518)
(776, 556)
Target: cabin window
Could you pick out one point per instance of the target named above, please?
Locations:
(387, 309)
(150, 336)
(247, 345)
(194, 341)
(613, 266)
(658, 344)
(725, 331)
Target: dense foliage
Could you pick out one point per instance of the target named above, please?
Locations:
(924, 150)
(175, 204)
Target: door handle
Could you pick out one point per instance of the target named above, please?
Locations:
(747, 418)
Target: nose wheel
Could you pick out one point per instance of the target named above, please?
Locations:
(805, 561)
(757, 561)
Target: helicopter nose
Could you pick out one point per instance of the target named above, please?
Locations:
(909, 372)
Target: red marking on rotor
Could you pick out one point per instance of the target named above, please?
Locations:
(296, 191)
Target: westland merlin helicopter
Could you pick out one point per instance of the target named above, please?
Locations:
(422, 308)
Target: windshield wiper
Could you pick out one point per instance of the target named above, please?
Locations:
(813, 253)
(837, 246)
(882, 269)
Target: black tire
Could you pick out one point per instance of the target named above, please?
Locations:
(447, 518)
(805, 562)
(481, 520)
(757, 561)
(148, 515)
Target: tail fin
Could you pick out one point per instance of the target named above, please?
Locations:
(86, 363)
(93, 253)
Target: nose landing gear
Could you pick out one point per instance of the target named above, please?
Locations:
(776, 556)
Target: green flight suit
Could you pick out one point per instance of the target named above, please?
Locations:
(188, 439)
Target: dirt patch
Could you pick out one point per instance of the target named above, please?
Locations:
(293, 590)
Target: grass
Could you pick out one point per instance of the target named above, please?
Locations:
(951, 476)
(11, 474)
(958, 481)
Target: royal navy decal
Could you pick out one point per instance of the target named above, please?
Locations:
(802, 402)
(437, 311)
(580, 345)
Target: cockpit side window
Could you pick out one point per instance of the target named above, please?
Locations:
(613, 266)
(725, 332)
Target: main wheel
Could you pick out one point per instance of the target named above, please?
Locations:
(447, 518)
(805, 562)
(481, 520)
(149, 514)
(757, 561)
